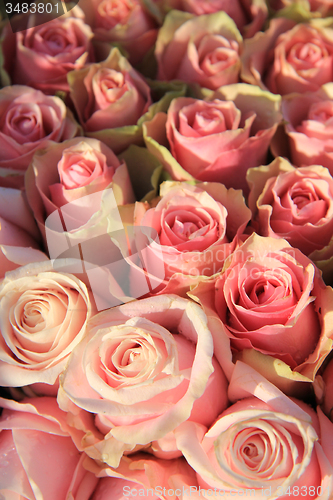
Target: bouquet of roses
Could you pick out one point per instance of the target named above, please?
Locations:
(166, 249)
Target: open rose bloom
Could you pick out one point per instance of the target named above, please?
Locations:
(30, 121)
(43, 316)
(207, 49)
(210, 139)
(196, 226)
(144, 368)
(295, 204)
(265, 443)
(290, 57)
(271, 300)
(41, 56)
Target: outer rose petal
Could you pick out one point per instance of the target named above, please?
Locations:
(44, 315)
(140, 472)
(38, 457)
(18, 235)
(135, 413)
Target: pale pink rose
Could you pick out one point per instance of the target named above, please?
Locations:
(307, 137)
(249, 16)
(197, 227)
(204, 50)
(43, 316)
(127, 23)
(79, 175)
(41, 56)
(271, 298)
(288, 58)
(264, 445)
(19, 236)
(37, 455)
(109, 94)
(293, 203)
(216, 139)
(144, 368)
(29, 121)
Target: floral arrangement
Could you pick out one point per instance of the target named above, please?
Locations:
(166, 250)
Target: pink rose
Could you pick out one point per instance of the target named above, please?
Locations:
(288, 58)
(204, 50)
(85, 178)
(271, 298)
(19, 235)
(43, 316)
(240, 11)
(263, 445)
(197, 226)
(127, 23)
(30, 120)
(307, 137)
(37, 456)
(42, 56)
(109, 95)
(144, 368)
(293, 203)
(216, 139)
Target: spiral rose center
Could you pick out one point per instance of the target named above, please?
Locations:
(33, 315)
(307, 54)
(25, 124)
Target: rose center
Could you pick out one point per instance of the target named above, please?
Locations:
(308, 53)
(264, 291)
(188, 230)
(34, 315)
(25, 124)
